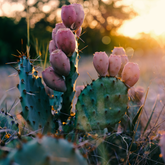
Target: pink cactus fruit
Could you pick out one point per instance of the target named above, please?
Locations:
(52, 46)
(136, 93)
(130, 74)
(139, 93)
(78, 90)
(101, 63)
(68, 15)
(162, 145)
(58, 26)
(65, 41)
(60, 62)
(124, 58)
(79, 16)
(78, 31)
(114, 65)
(118, 51)
(53, 80)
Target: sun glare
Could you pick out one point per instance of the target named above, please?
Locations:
(150, 21)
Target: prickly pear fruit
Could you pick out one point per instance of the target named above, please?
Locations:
(136, 93)
(139, 93)
(114, 65)
(68, 15)
(58, 26)
(52, 46)
(53, 80)
(124, 58)
(130, 74)
(101, 63)
(78, 31)
(118, 51)
(162, 145)
(60, 62)
(79, 16)
(65, 41)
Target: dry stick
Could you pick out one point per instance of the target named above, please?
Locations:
(136, 127)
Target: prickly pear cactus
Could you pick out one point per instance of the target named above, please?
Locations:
(8, 126)
(61, 102)
(70, 83)
(36, 109)
(45, 151)
(101, 104)
(135, 104)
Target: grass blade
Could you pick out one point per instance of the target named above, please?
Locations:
(136, 117)
(150, 117)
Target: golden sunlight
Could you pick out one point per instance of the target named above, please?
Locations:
(149, 21)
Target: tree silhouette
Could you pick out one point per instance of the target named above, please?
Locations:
(101, 17)
(106, 13)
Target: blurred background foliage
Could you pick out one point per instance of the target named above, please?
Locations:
(102, 18)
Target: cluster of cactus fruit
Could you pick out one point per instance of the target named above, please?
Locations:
(106, 112)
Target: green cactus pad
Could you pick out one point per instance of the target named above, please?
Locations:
(36, 109)
(8, 126)
(101, 104)
(56, 100)
(46, 151)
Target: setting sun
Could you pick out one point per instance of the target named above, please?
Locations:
(149, 20)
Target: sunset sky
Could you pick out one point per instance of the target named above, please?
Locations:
(149, 20)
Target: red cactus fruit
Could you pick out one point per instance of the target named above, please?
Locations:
(53, 80)
(136, 93)
(65, 41)
(79, 16)
(139, 93)
(130, 74)
(60, 62)
(114, 65)
(118, 51)
(58, 26)
(101, 63)
(52, 46)
(124, 58)
(68, 15)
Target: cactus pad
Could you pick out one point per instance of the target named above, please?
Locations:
(46, 151)
(8, 125)
(35, 102)
(101, 104)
